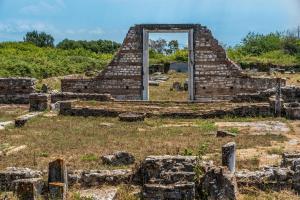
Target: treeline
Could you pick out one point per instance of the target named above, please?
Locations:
(98, 46)
(274, 49)
(38, 57)
(42, 39)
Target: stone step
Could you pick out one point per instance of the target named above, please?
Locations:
(171, 191)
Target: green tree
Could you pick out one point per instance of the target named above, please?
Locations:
(39, 39)
(291, 45)
(257, 44)
(158, 45)
(173, 46)
(98, 46)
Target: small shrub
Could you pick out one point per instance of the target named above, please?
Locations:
(207, 126)
(202, 150)
(234, 130)
(276, 150)
(188, 152)
(44, 154)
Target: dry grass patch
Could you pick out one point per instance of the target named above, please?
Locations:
(163, 92)
(81, 141)
(10, 112)
(254, 194)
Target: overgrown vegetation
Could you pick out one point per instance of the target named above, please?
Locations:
(274, 49)
(180, 55)
(26, 59)
(99, 46)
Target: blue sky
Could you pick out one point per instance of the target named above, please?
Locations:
(229, 20)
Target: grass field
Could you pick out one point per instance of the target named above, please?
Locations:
(81, 141)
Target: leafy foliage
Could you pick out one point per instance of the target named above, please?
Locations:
(99, 46)
(39, 39)
(160, 58)
(274, 48)
(26, 59)
(161, 46)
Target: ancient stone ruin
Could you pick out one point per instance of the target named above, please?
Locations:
(16, 90)
(212, 76)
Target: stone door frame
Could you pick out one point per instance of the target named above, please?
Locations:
(146, 32)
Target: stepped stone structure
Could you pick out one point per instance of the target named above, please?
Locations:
(212, 76)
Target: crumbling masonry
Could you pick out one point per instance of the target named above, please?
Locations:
(213, 76)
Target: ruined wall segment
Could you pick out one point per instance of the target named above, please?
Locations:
(16, 90)
(215, 77)
(122, 78)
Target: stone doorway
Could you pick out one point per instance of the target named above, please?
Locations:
(145, 73)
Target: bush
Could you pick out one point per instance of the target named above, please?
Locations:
(25, 59)
(273, 49)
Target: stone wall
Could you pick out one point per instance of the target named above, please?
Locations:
(64, 96)
(288, 94)
(16, 90)
(242, 110)
(215, 76)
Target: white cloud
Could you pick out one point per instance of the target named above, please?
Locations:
(43, 6)
(20, 27)
(96, 31)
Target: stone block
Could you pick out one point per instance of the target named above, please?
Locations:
(118, 158)
(131, 117)
(28, 189)
(58, 180)
(219, 184)
(177, 191)
(11, 174)
(38, 102)
(225, 134)
(57, 191)
(292, 110)
(228, 156)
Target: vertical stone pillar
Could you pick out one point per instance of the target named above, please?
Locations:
(57, 180)
(228, 156)
(278, 98)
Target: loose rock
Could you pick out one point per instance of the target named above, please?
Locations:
(118, 158)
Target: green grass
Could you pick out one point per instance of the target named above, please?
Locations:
(207, 126)
(89, 157)
(234, 130)
(277, 57)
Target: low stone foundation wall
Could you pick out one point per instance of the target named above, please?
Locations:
(289, 94)
(16, 90)
(243, 110)
(65, 96)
